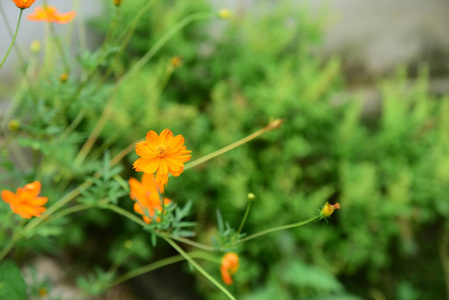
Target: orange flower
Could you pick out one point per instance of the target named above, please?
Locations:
(328, 209)
(147, 196)
(51, 14)
(23, 3)
(229, 266)
(163, 153)
(26, 203)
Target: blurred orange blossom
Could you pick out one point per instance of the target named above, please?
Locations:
(51, 14)
(23, 3)
(229, 266)
(147, 195)
(162, 153)
(25, 202)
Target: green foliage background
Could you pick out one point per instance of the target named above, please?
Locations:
(390, 172)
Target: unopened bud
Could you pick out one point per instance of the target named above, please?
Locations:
(13, 125)
(328, 209)
(128, 244)
(117, 2)
(251, 196)
(275, 124)
(64, 77)
(224, 13)
(35, 46)
(176, 61)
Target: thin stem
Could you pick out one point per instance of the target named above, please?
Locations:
(161, 42)
(13, 39)
(245, 216)
(199, 268)
(444, 257)
(69, 211)
(186, 241)
(124, 213)
(7, 248)
(59, 47)
(94, 135)
(124, 152)
(225, 149)
(161, 263)
(66, 199)
(278, 228)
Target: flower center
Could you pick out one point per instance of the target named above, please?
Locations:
(161, 150)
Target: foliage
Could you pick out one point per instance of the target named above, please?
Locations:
(388, 171)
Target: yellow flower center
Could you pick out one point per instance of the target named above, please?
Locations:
(161, 150)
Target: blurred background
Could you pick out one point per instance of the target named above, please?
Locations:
(363, 87)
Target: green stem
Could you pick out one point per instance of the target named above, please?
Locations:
(64, 200)
(139, 221)
(159, 264)
(248, 208)
(283, 227)
(124, 213)
(13, 40)
(186, 241)
(69, 211)
(58, 44)
(225, 149)
(7, 248)
(161, 42)
(199, 268)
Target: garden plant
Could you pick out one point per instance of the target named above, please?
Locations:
(212, 140)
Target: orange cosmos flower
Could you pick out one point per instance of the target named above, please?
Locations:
(328, 209)
(51, 14)
(147, 196)
(162, 153)
(23, 3)
(229, 266)
(26, 203)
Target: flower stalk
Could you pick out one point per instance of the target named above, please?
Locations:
(13, 40)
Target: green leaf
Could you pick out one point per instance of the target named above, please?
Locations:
(12, 285)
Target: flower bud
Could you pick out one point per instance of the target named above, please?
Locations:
(64, 77)
(14, 125)
(328, 209)
(176, 61)
(224, 13)
(117, 2)
(35, 46)
(251, 196)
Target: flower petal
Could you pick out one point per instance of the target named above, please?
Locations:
(9, 197)
(147, 165)
(152, 139)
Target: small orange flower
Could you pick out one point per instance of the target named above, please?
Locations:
(162, 153)
(26, 203)
(328, 209)
(229, 266)
(51, 14)
(23, 3)
(147, 196)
